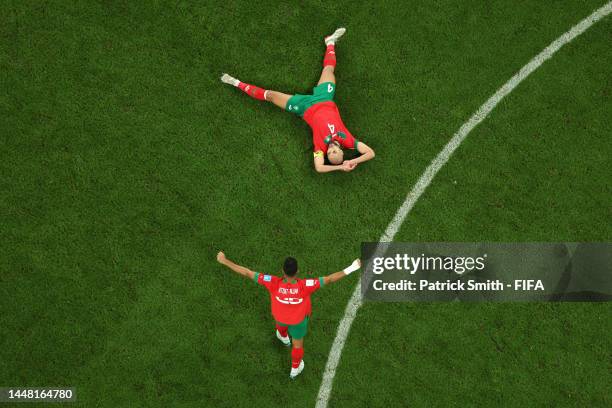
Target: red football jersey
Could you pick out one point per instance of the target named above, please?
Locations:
(290, 299)
(324, 120)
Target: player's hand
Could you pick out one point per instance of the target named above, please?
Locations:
(221, 257)
(352, 267)
(346, 166)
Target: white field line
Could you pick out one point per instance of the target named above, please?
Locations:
(426, 178)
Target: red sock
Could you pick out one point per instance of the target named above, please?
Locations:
(282, 330)
(330, 56)
(296, 356)
(253, 91)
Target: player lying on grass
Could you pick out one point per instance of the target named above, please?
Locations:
(329, 134)
(290, 299)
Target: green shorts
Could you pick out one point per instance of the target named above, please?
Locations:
(321, 93)
(297, 331)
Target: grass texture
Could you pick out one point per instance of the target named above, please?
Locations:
(125, 165)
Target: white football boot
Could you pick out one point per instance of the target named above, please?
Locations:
(285, 340)
(230, 80)
(296, 371)
(331, 39)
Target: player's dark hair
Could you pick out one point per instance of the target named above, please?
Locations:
(290, 266)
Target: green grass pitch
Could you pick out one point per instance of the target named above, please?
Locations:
(125, 165)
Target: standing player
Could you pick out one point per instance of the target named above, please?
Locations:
(329, 134)
(290, 299)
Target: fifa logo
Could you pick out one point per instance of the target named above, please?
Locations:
(528, 284)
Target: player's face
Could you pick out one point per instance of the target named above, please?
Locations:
(335, 153)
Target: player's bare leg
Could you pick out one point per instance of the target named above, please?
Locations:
(297, 352)
(277, 98)
(329, 61)
(327, 75)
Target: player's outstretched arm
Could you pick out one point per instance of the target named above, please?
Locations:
(241, 270)
(367, 153)
(321, 167)
(334, 277)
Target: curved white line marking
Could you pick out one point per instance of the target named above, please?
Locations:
(355, 302)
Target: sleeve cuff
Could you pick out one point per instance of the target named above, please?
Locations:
(321, 282)
(256, 277)
(355, 145)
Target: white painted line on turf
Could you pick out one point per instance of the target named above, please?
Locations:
(426, 178)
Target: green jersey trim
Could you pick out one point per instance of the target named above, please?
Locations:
(321, 282)
(256, 277)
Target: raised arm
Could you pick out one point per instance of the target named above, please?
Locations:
(336, 276)
(321, 167)
(241, 270)
(367, 153)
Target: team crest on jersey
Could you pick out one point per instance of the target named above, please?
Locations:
(267, 278)
(310, 282)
